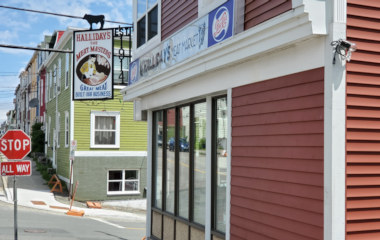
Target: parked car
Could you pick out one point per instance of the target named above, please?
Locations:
(183, 145)
(159, 140)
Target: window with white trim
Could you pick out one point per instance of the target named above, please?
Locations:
(51, 88)
(147, 20)
(67, 70)
(54, 81)
(123, 182)
(67, 119)
(59, 72)
(41, 91)
(47, 91)
(105, 129)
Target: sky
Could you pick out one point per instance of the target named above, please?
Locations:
(23, 28)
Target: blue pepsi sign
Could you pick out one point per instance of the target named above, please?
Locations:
(221, 23)
(133, 72)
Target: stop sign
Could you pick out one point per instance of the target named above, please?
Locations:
(15, 144)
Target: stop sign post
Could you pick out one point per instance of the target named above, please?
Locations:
(15, 144)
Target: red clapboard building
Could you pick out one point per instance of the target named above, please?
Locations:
(263, 119)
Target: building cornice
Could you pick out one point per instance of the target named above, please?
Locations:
(279, 33)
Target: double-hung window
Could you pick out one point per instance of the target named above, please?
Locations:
(147, 20)
(59, 72)
(51, 87)
(47, 87)
(67, 61)
(105, 129)
(123, 182)
(54, 81)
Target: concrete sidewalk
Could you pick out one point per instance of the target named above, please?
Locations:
(33, 192)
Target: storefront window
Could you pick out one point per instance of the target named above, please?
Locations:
(200, 110)
(184, 161)
(220, 163)
(157, 162)
(170, 161)
(180, 159)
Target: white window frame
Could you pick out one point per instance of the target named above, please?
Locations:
(41, 97)
(51, 93)
(58, 73)
(117, 130)
(54, 81)
(51, 96)
(123, 180)
(67, 124)
(138, 51)
(67, 65)
(47, 87)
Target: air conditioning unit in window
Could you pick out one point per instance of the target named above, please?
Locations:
(58, 88)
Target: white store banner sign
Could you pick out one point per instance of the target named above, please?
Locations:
(93, 65)
(215, 27)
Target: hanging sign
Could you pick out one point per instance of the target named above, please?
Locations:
(93, 65)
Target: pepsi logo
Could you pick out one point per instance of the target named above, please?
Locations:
(220, 24)
(134, 72)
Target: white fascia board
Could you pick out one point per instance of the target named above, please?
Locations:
(261, 68)
(278, 33)
(111, 154)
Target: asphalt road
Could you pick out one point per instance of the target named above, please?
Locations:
(43, 225)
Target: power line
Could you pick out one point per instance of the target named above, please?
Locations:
(35, 49)
(55, 14)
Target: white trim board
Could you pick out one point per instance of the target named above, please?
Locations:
(110, 154)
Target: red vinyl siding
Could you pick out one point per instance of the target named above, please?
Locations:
(363, 122)
(277, 158)
(258, 11)
(176, 14)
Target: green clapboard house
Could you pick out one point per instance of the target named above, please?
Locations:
(110, 147)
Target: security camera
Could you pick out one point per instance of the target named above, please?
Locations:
(344, 49)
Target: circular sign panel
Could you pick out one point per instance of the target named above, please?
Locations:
(93, 69)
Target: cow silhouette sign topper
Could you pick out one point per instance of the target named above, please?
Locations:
(94, 19)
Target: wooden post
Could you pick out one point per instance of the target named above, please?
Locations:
(74, 212)
(75, 190)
